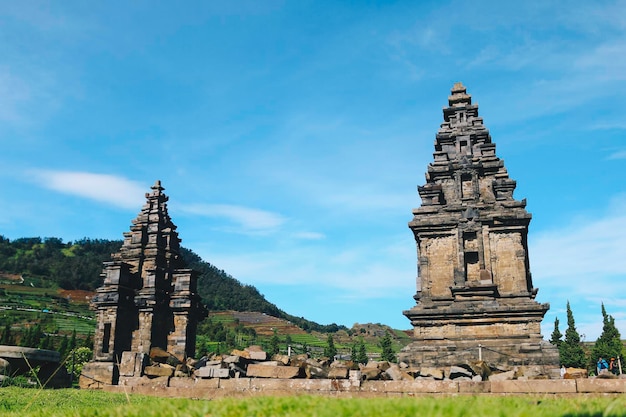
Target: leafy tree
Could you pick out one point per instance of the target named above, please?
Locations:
(76, 359)
(386, 344)
(555, 339)
(570, 351)
(609, 344)
(330, 350)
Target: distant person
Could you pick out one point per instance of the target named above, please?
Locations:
(613, 366)
(563, 371)
(602, 366)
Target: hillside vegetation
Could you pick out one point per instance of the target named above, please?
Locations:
(51, 263)
(46, 284)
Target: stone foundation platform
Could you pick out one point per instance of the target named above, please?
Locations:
(245, 387)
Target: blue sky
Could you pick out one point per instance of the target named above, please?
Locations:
(291, 136)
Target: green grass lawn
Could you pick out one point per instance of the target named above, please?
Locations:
(26, 402)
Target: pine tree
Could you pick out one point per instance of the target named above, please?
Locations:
(274, 347)
(609, 344)
(570, 351)
(555, 339)
(7, 336)
(45, 342)
(361, 356)
(64, 347)
(72, 344)
(88, 342)
(330, 350)
(386, 344)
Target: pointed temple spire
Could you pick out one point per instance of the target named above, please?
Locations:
(149, 297)
(474, 286)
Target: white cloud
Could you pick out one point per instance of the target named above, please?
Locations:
(586, 247)
(110, 189)
(369, 271)
(248, 220)
(618, 155)
(583, 263)
(309, 235)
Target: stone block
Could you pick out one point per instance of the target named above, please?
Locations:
(236, 359)
(144, 381)
(262, 371)
(5, 367)
(299, 385)
(284, 359)
(575, 373)
(459, 372)
(213, 372)
(471, 387)
(394, 373)
(270, 363)
(258, 355)
(435, 373)
(338, 373)
(193, 383)
(346, 385)
(235, 384)
(597, 385)
(132, 363)
(561, 386)
(241, 353)
(502, 376)
(96, 374)
(355, 375)
(162, 370)
(370, 374)
(314, 371)
(417, 386)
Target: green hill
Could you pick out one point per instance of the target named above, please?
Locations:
(48, 282)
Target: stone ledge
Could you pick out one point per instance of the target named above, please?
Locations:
(601, 385)
(218, 388)
(444, 387)
(543, 386)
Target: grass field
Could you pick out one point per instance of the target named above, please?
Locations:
(26, 402)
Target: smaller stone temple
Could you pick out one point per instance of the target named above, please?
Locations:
(149, 296)
(475, 297)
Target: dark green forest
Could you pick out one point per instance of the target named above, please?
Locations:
(52, 263)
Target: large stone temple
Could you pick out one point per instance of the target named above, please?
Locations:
(148, 298)
(475, 297)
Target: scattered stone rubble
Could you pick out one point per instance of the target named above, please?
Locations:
(157, 368)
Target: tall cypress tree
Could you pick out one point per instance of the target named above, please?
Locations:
(556, 336)
(330, 350)
(570, 351)
(609, 344)
(7, 336)
(386, 344)
(361, 356)
(274, 347)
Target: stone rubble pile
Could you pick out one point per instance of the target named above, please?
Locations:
(254, 362)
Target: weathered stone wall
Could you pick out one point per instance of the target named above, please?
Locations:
(245, 387)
